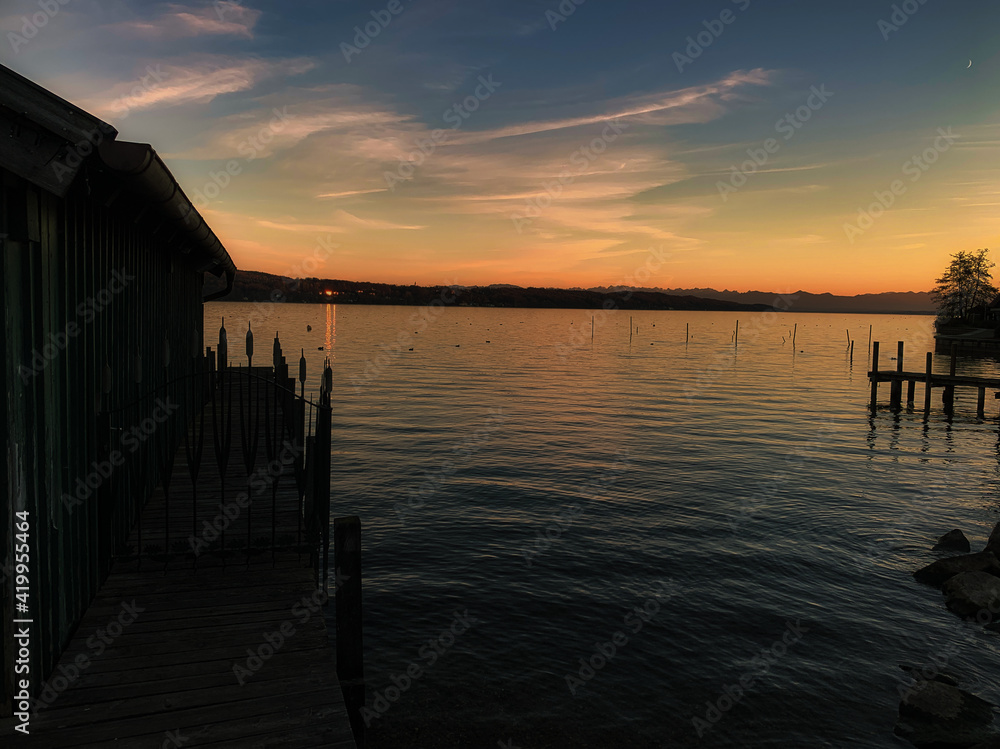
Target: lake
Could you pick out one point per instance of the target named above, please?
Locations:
(590, 543)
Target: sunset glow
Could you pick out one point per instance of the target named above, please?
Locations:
(819, 148)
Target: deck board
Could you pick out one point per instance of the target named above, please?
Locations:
(171, 669)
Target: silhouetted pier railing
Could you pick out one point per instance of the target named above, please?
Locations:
(930, 380)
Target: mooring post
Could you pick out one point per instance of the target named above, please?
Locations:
(349, 619)
(737, 340)
(795, 332)
(896, 389)
(852, 353)
(981, 404)
(927, 383)
(911, 386)
(687, 332)
(948, 397)
(874, 375)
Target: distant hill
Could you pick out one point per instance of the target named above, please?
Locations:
(254, 286)
(919, 302)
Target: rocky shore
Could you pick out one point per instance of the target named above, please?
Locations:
(935, 712)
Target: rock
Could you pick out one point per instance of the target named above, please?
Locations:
(934, 714)
(969, 593)
(993, 544)
(937, 573)
(930, 673)
(954, 541)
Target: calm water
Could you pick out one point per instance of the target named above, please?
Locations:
(547, 485)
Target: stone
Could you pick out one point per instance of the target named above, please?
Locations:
(934, 714)
(954, 541)
(970, 593)
(939, 572)
(993, 544)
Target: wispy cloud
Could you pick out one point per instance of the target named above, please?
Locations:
(223, 17)
(196, 80)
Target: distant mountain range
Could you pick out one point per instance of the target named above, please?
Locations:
(255, 286)
(919, 302)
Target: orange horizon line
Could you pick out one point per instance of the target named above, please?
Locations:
(567, 288)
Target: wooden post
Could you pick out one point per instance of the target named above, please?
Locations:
(911, 386)
(795, 331)
(927, 383)
(852, 353)
(737, 332)
(869, 337)
(630, 330)
(350, 650)
(948, 397)
(874, 375)
(591, 328)
(981, 404)
(896, 389)
(687, 333)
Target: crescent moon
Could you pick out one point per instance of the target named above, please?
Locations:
(970, 64)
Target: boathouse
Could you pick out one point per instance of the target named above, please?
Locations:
(103, 263)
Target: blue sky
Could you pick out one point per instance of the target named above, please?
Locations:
(534, 186)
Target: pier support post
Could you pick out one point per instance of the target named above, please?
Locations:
(981, 404)
(911, 386)
(874, 375)
(948, 397)
(350, 653)
(927, 383)
(896, 388)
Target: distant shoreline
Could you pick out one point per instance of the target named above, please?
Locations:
(258, 287)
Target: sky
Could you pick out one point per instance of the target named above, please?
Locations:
(844, 147)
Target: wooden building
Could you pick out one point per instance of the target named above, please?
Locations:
(101, 297)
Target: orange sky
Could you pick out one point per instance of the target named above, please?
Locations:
(532, 157)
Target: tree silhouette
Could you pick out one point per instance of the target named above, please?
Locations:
(966, 286)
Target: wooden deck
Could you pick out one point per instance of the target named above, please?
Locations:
(158, 659)
(930, 380)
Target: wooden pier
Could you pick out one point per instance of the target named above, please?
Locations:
(211, 628)
(930, 380)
